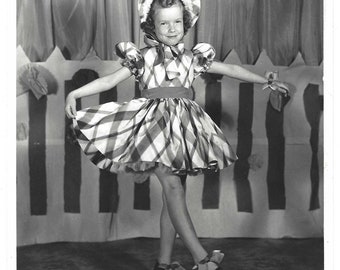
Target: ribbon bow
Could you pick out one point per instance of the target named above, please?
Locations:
(168, 55)
(279, 94)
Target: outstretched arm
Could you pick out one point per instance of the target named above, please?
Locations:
(240, 73)
(236, 72)
(97, 86)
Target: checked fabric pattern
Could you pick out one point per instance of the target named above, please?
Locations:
(139, 135)
(185, 64)
(168, 130)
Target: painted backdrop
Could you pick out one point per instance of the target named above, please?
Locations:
(273, 190)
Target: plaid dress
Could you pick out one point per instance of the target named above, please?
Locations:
(164, 128)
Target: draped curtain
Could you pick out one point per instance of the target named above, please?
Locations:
(282, 28)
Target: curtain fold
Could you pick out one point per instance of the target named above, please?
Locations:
(74, 27)
(242, 28)
(279, 29)
(208, 23)
(100, 41)
(34, 25)
(311, 45)
(282, 27)
(118, 24)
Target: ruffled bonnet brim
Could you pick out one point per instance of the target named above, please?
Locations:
(192, 6)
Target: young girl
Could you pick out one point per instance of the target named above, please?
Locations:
(164, 132)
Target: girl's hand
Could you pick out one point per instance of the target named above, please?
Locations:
(70, 107)
(279, 86)
(275, 85)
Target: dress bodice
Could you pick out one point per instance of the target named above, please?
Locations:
(164, 66)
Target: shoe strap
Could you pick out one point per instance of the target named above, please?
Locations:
(161, 266)
(176, 266)
(216, 257)
(212, 263)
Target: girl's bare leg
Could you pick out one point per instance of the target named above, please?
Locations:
(179, 215)
(168, 232)
(168, 235)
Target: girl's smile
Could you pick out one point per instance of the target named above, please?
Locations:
(169, 24)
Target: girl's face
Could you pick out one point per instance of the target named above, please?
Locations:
(169, 24)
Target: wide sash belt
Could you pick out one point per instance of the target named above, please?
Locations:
(167, 92)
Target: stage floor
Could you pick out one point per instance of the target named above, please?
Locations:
(140, 254)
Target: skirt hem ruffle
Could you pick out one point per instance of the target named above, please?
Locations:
(140, 171)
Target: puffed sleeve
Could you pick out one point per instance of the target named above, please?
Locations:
(204, 55)
(132, 58)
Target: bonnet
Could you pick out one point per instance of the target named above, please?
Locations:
(192, 6)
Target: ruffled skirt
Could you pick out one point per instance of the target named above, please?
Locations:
(138, 136)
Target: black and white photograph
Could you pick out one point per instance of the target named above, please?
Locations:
(172, 134)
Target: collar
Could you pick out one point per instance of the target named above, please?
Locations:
(164, 51)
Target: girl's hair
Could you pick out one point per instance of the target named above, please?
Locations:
(149, 25)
